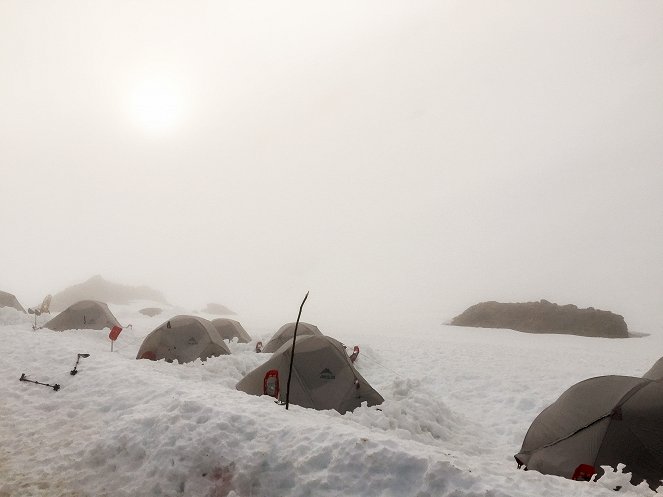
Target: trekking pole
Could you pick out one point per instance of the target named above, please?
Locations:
(292, 354)
(55, 387)
(74, 371)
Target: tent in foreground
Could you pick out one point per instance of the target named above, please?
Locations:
(9, 300)
(83, 315)
(322, 377)
(655, 372)
(286, 332)
(602, 421)
(229, 329)
(185, 339)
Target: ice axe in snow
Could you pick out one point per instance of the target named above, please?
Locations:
(74, 371)
(55, 387)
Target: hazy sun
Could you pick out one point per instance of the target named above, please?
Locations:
(156, 105)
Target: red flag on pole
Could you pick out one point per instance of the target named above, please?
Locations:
(114, 333)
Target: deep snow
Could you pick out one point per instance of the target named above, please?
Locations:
(458, 402)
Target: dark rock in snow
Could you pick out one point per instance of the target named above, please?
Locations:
(151, 311)
(219, 309)
(97, 288)
(544, 317)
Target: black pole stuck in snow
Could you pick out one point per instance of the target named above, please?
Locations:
(292, 353)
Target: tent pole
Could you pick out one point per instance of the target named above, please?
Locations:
(292, 354)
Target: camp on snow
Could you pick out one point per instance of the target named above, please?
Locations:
(229, 329)
(286, 332)
(322, 376)
(83, 315)
(185, 339)
(9, 300)
(602, 421)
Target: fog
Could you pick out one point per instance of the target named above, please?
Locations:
(400, 160)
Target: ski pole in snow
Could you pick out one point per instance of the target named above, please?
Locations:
(55, 387)
(74, 371)
(292, 354)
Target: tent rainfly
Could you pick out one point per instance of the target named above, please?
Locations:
(322, 376)
(602, 421)
(185, 339)
(229, 329)
(286, 332)
(83, 315)
(9, 300)
(655, 372)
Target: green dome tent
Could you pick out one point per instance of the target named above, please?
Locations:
(602, 421)
(185, 339)
(9, 300)
(322, 377)
(83, 315)
(287, 331)
(655, 372)
(229, 329)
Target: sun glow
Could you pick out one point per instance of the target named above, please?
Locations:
(156, 105)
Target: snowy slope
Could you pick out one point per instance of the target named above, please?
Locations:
(458, 404)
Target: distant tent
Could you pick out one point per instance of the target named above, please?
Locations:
(286, 333)
(322, 378)
(185, 339)
(83, 315)
(229, 329)
(655, 372)
(601, 421)
(8, 300)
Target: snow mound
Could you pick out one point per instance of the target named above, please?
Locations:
(11, 316)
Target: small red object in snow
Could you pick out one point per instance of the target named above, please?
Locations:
(115, 332)
(584, 472)
(149, 355)
(355, 354)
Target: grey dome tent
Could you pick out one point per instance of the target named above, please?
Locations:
(655, 372)
(286, 332)
(602, 421)
(322, 376)
(83, 315)
(229, 329)
(9, 300)
(183, 338)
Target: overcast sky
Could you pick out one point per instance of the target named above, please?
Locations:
(400, 160)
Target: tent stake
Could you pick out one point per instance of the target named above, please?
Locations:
(292, 354)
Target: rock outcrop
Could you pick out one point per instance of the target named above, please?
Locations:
(218, 309)
(151, 311)
(544, 317)
(97, 288)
